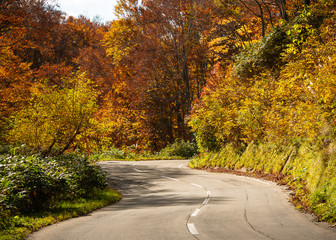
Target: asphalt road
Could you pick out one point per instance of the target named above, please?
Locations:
(167, 200)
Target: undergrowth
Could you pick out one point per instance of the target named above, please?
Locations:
(37, 191)
(177, 150)
(23, 224)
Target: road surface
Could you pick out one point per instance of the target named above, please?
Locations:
(167, 200)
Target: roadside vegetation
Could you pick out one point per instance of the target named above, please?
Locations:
(38, 191)
(178, 150)
(242, 85)
(272, 110)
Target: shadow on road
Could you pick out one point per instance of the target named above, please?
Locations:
(145, 189)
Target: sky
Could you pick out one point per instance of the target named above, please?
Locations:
(89, 8)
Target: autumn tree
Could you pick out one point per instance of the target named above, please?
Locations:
(55, 116)
(256, 16)
(278, 90)
(14, 74)
(38, 42)
(164, 47)
(11, 15)
(14, 87)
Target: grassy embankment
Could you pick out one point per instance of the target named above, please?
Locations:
(24, 224)
(309, 170)
(37, 191)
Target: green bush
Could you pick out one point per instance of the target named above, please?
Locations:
(181, 149)
(114, 153)
(261, 55)
(4, 215)
(84, 175)
(33, 183)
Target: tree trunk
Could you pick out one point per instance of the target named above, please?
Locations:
(72, 138)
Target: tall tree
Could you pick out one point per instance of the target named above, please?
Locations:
(256, 15)
(165, 45)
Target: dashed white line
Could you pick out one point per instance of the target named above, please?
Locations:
(192, 229)
(194, 214)
(181, 166)
(196, 185)
(174, 179)
(137, 170)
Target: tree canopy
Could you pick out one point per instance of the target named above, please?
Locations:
(217, 71)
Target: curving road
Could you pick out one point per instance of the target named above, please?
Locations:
(167, 200)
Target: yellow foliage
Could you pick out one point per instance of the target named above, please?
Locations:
(119, 40)
(294, 104)
(55, 116)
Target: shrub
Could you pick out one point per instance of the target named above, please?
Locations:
(181, 149)
(261, 55)
(33, 183)
(114, 153)
(84, 175)
(4, 214)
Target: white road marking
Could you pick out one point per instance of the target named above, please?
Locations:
(137, 170)
(192, 228)
(206, 201)
(181, 166)
(194, 214)
(254, 179)
(257, 180)
(196, 185)
(174, 179)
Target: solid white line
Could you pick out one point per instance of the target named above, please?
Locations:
(195, 212)
(192, 229)
(208, 193)
(137, 170)
(257, 180)
(206, 201)
(196, 185)
(174, 179)
(254, 179)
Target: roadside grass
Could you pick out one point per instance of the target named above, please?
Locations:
(176, 151)
(22, 225)
(135, 158)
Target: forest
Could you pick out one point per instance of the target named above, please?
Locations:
(150, 77)
(243, 83)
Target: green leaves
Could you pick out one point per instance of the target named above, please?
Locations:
(32, 183)
(262, 55)
(180, 149)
